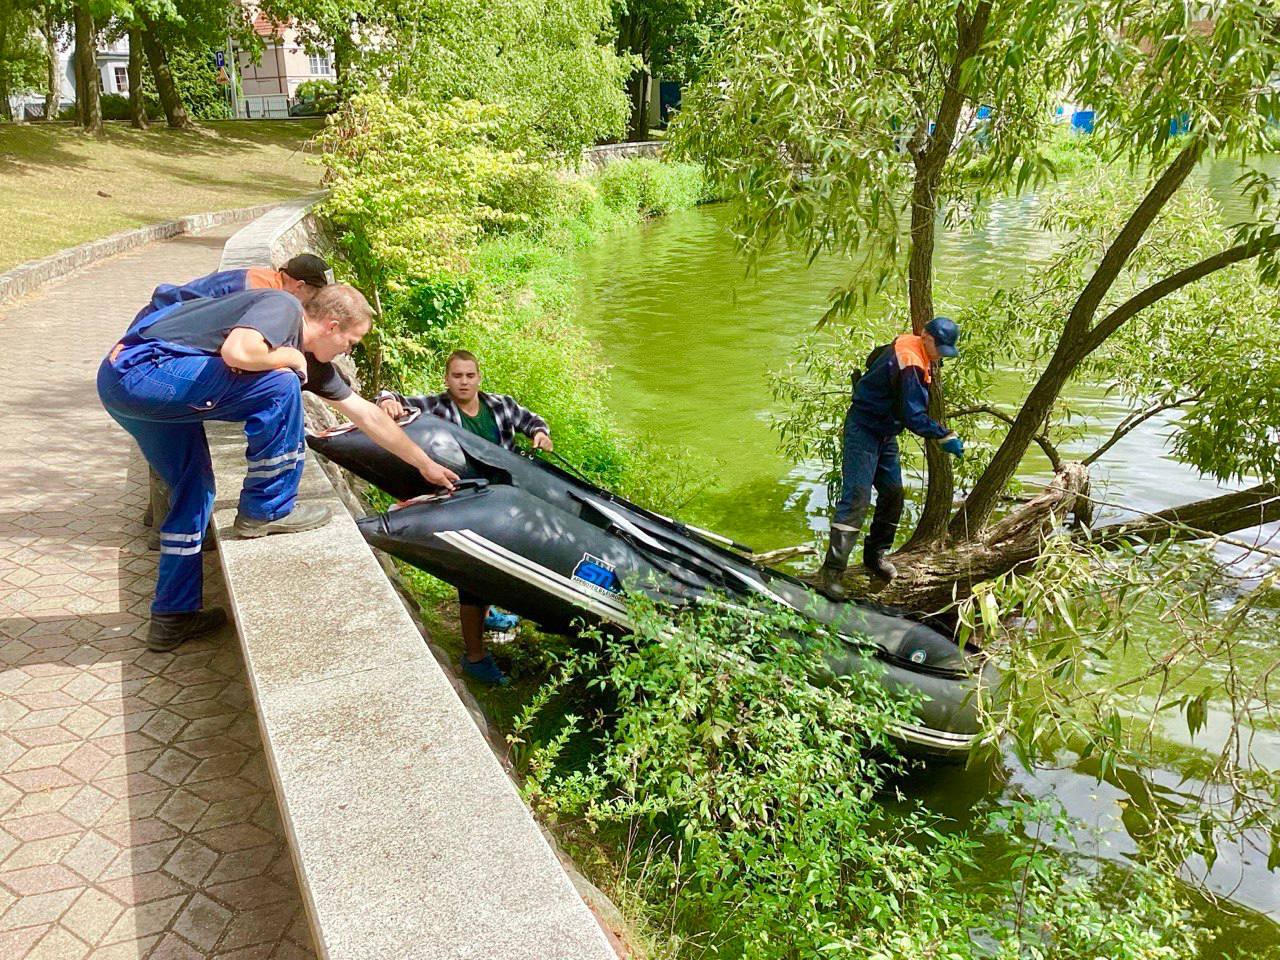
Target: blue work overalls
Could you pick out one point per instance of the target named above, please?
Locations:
(162, 393)
(209, 287)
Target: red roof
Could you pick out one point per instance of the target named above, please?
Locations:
(264, 26)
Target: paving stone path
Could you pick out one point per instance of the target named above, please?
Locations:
(137, 817)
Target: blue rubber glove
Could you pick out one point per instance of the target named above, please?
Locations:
(954, 446)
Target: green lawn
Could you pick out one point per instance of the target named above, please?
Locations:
(60, 187)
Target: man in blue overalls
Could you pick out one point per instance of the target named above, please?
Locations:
(243, 358)
(892, 396)
(302, 276)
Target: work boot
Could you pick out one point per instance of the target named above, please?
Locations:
(878, 566)
(880, 536)
(305, 516)
(831, 574)
(169, 630)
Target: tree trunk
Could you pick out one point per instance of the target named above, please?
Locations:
(6, 108)
(1216, 516)
(930, 580)
(638, 89)
(932, 577)
(88, 102)
(53, 76)
(137, 105)
(930, 153)
(633, 40)
(175, 110)
(343, 53)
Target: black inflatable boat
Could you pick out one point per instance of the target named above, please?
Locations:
(557, 549)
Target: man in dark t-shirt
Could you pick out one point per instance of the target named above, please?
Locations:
(497, 418)
(243, 358)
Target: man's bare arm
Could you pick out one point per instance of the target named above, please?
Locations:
(245, 349)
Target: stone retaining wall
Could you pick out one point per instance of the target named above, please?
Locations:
(593, 158)
(409, 838)
(26, 277)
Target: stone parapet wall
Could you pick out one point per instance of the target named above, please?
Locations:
(409, 838)
(593, 158)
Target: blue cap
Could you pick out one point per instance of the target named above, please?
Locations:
(945, 333)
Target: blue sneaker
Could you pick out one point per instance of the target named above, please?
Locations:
(485, 670)
(496, 619)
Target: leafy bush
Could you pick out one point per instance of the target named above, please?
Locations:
(320, 95)
(651, 187)
(743, 796)
(408, 188)
(115, 106)
(196, 77)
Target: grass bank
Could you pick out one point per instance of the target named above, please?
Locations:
(60, 186)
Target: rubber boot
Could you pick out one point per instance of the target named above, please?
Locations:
(878, 566)
(884, 527)
(831, 574)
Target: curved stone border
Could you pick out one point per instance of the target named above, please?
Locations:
(27, 277)
(594, 158)
(408, 837)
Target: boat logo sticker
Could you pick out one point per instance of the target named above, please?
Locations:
(597, 574)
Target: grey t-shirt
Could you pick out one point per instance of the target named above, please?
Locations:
(205, 324)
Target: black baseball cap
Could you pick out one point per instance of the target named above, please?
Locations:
(308, 268)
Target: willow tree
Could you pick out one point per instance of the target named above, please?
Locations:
(854, 129)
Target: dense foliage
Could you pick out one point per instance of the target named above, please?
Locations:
(545, 63)
(463, 240)
(747, 787)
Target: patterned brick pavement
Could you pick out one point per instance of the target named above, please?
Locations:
(137, 818)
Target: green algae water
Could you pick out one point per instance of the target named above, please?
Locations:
(691, 340)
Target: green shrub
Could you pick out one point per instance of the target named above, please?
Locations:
(651, 187)
(741, 789)
(115, 106)
(321, 96)
(196, 77)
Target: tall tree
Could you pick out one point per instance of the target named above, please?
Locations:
(50, 25)
(665, 39)
(850, 128)
(137, 103)
(20, 53)
(175, 111)
(88, 92)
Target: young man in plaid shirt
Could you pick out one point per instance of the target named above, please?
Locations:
(496, 418)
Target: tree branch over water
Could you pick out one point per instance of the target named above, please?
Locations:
(1050, 451)
(1135, 420)
(1202, 519)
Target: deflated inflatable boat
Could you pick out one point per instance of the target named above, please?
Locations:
(556, 549)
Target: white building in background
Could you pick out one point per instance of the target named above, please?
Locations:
(269, 83)
(113, 77)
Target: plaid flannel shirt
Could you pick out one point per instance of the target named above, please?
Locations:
(508, 414)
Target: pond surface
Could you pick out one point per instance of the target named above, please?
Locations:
(692, 339)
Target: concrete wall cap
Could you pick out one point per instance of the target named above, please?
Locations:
(409, 839)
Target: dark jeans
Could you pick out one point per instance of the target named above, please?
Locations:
(870, 462)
